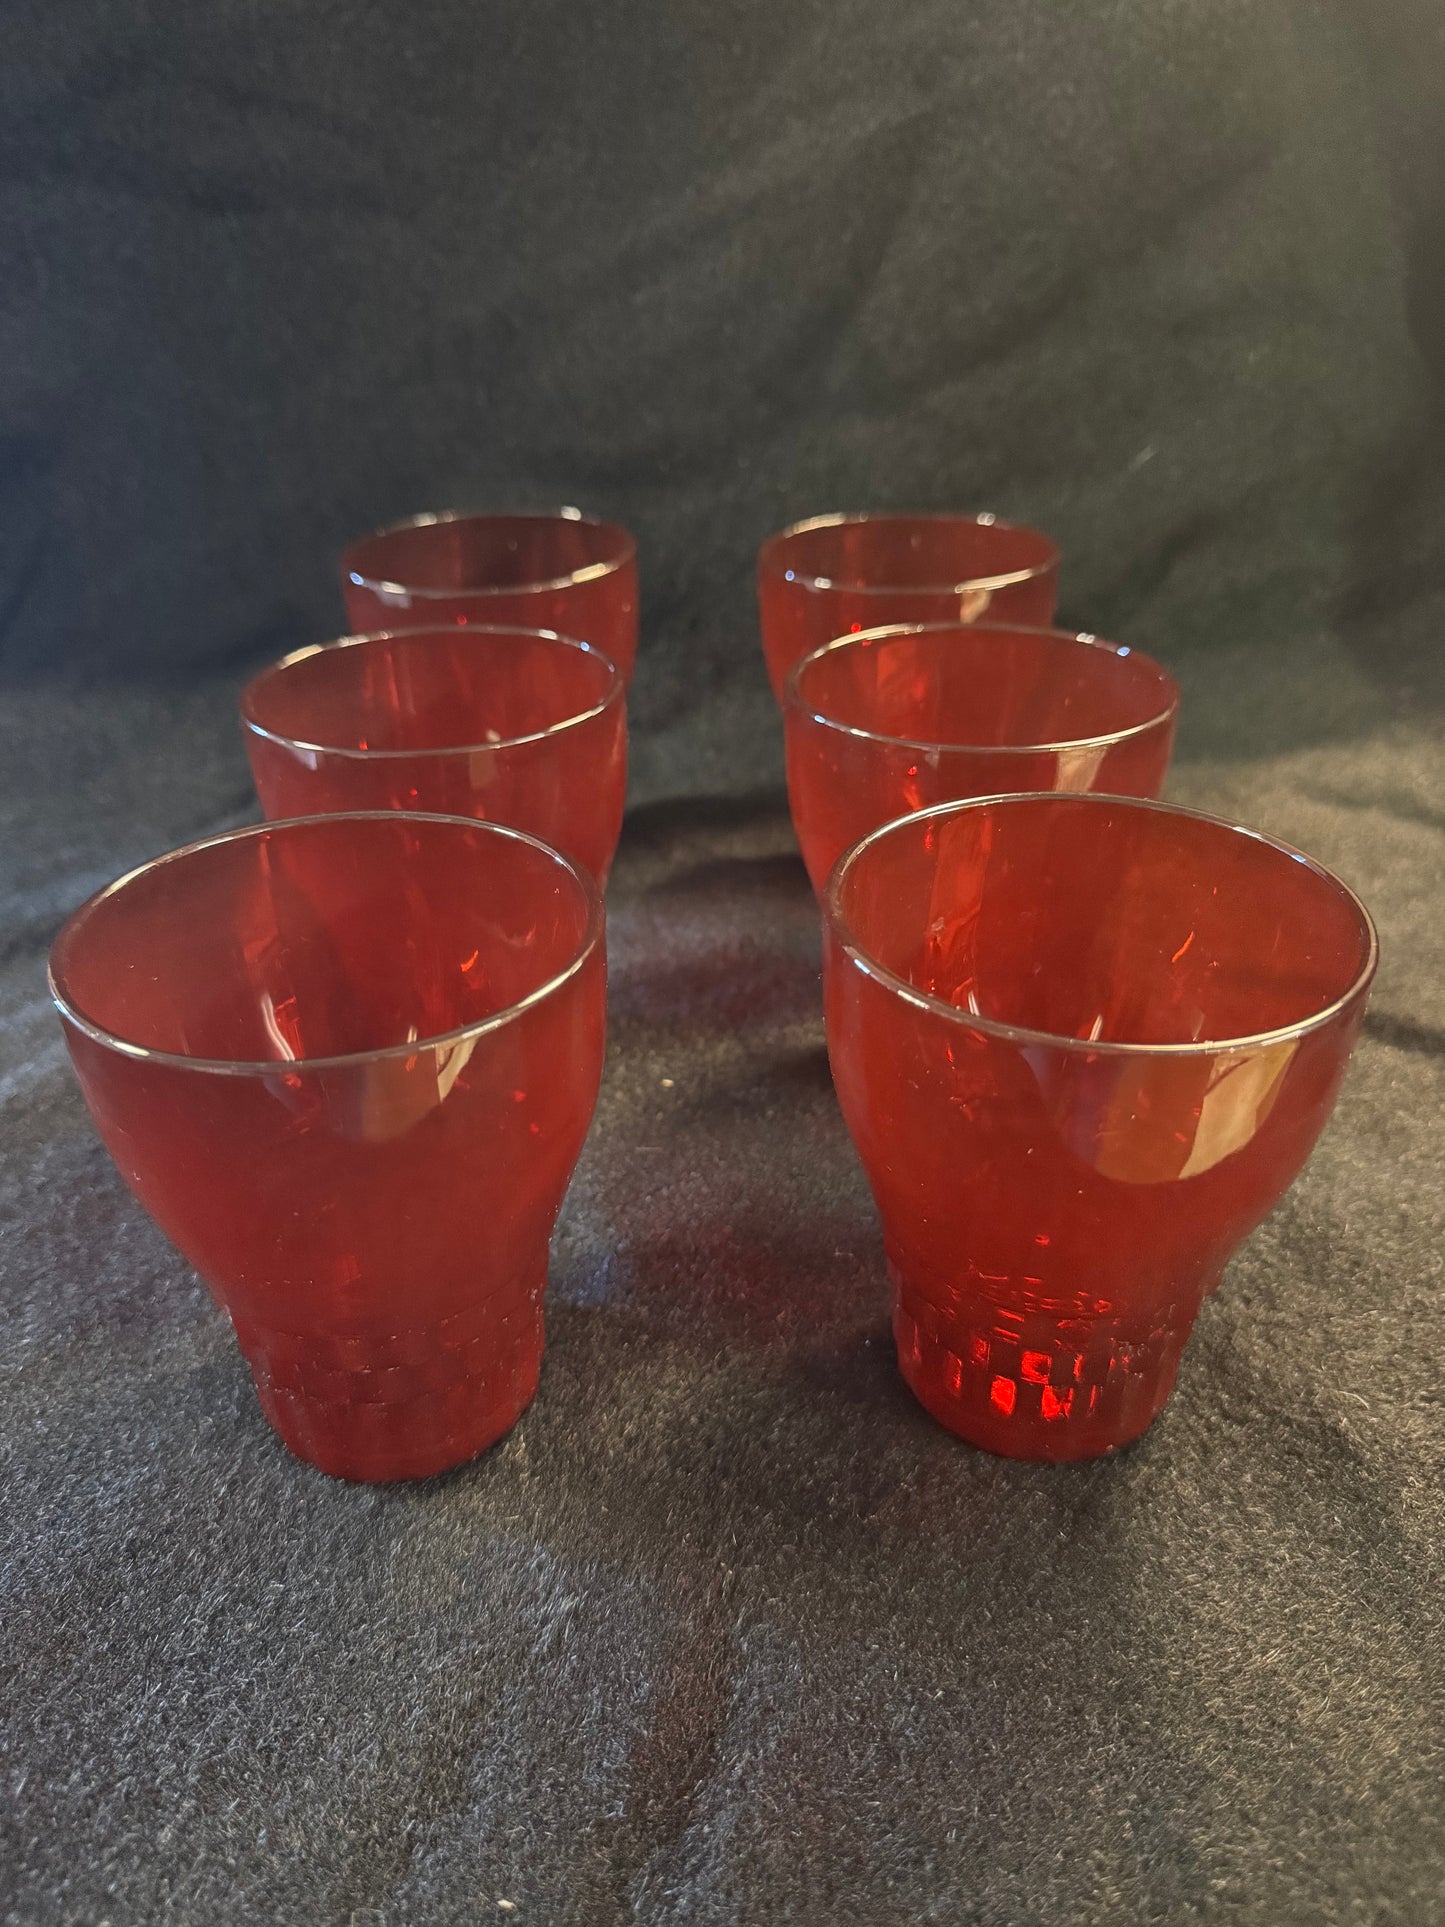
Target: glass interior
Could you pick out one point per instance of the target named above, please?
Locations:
(984, 687)
(324, 938)
(911, 551)
(478, 552)
(1098, 919)
(430, 689)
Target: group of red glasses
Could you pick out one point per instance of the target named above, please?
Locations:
(347, 1057)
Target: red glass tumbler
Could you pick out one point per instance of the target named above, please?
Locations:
(347, 1064)
(514, 726)
(894, 720)
(559, 570)
(1083, 1044)
(838, 574)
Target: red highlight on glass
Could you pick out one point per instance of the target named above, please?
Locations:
(1083, 1044)
(513, 726)
(838, 574)
(560, 570)
(891, 721)
(348, 1064)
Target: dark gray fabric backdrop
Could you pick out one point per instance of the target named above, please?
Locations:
(726, 1631)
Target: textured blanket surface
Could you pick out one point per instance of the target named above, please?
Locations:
(728, 1629)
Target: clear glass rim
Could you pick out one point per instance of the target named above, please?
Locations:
(626, 552)
(1103, 1046)
(793, 688)
(615, 693)
(770, 559)
(348, 1060)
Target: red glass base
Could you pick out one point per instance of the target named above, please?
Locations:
(402, 1405)
(1022, 1380)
